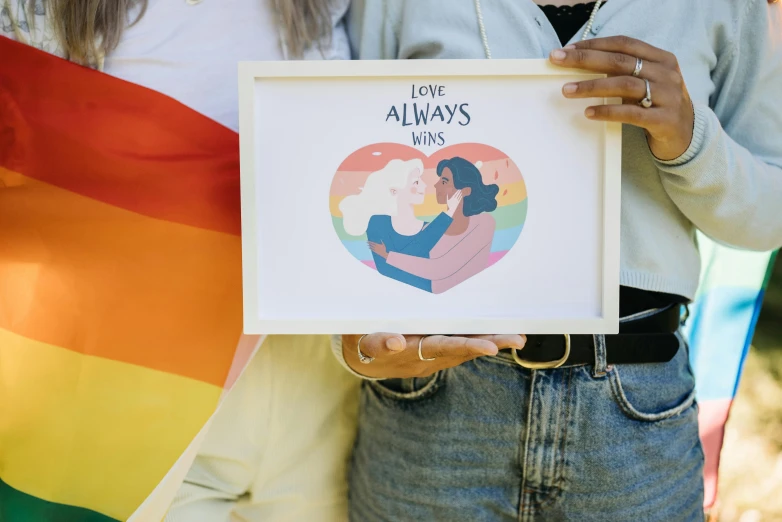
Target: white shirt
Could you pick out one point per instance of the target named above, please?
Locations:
(191, 52)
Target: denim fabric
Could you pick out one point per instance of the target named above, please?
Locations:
(492, 441)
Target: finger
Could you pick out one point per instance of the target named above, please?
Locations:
(625, 87)
(504, 341)
(629, 46)
(630, 114)
(614, 64)
(379, 344)
(455, 347)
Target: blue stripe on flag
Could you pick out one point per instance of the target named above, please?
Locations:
(719, 335)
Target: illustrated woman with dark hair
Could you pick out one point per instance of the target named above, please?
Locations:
(384, 211)
(464, 249)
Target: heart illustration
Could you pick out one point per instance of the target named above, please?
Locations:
(431, 222)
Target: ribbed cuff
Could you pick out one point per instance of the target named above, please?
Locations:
(336, 348)
(658, 283)
(699, 134)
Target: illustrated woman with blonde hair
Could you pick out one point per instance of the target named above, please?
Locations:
(278, 446)
(384, 210)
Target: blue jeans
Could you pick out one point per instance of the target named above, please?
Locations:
(492, 441)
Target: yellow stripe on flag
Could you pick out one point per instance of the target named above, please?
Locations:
(87, 431)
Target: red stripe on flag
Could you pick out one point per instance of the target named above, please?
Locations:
(161, 159)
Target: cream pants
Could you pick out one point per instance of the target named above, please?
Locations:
(278, 449)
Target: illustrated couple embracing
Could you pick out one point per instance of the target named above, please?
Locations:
(433, 256)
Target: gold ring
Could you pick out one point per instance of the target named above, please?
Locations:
(420, 347)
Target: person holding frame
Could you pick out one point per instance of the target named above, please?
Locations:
(272, 424)
(471, 431)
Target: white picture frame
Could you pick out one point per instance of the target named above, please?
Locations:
(330, 101)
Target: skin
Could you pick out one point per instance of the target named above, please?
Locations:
(668, 125)
(444, 190)
(405, 222)
(414, 195)
(396, 355)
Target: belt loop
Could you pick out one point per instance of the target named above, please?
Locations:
(600, 356)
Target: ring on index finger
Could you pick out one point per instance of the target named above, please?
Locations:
(420, 348)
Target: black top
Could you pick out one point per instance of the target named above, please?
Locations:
(568, 21)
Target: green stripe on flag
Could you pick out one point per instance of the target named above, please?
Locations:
(16, 506)
(728, 267)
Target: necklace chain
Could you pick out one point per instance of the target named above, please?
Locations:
(485, 40)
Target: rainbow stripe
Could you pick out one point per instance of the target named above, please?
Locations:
(495, 168)
(720, 330)
(120, 286)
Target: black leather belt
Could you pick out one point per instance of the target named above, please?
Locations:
(643, 338)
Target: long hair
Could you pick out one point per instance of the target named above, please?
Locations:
(376, 197)
(482, 198)
(89, 29)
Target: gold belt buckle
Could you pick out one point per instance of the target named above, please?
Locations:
(547, 365)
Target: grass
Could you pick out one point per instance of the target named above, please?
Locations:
(751, 465)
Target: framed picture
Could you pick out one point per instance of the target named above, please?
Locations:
(448, 196)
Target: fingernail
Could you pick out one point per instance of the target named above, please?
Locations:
(589, 113)
(569, 46)
(558, 55)
(395, 344)
(570, 88)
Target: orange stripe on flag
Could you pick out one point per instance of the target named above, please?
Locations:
(104, 281)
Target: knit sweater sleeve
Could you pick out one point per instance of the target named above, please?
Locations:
(729, 181)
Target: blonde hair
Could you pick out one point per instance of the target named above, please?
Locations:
(90, 29)
(375, 198)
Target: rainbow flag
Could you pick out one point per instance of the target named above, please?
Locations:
(720, 329)
(495, 166)
(120, 286)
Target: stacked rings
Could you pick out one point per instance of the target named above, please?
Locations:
(646, 102)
